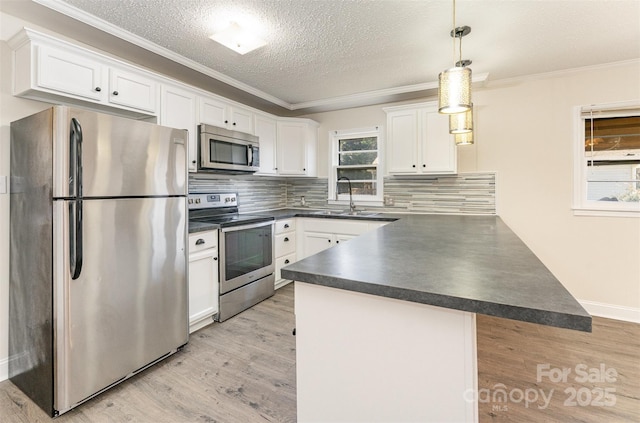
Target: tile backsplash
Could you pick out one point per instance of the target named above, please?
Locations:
(464, 193)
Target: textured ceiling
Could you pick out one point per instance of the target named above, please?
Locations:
(322, 49)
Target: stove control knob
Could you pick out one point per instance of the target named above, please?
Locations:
(197, 201)
(190, 201)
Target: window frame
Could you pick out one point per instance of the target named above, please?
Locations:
(361, 200)
(581, 205)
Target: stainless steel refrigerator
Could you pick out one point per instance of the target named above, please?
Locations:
(98, 235)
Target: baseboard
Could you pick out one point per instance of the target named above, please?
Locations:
(612, 311)
(4, 369)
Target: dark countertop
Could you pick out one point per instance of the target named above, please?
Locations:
(469, 263)
(280, 214)
(202, 226)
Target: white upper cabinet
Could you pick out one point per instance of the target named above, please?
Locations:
(418, 141)
(296, 147)
(51, 70)
(132, 90)
(222, 114)
(267, 133)
(65, 72)
(178, 110)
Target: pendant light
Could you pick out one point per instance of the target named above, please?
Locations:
(464, 138)
(460, 123)
(454, 84)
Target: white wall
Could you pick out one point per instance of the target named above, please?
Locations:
(524, 132)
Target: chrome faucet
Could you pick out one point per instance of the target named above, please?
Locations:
(352, 206)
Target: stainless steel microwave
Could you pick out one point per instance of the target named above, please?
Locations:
(228, 151)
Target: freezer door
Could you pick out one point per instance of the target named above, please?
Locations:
(128, 305)
(120, 157)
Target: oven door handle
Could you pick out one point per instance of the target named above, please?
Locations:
(248, 226)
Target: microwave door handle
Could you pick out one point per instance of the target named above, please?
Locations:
(249, 155)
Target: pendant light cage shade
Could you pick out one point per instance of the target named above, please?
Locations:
(464, 138)
(454, 90)
(460, 123)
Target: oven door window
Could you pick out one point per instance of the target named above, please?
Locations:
(247, 250)
(228, 153)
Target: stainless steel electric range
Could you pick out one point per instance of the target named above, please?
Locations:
(246, 244)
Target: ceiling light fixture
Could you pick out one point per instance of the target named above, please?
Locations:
(460, 123)
(454, 84)
(238, 39)
(464, 138)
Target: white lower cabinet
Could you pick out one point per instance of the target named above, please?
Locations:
(285, 247)
(203, 279)
(315, 235)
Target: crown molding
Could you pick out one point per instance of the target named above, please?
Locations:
(368, 97)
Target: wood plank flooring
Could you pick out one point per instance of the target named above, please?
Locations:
(244, 371)
(509, 353)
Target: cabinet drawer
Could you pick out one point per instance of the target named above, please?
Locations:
(285, 244)
(203, 240)
(284, 261)
(285, 225)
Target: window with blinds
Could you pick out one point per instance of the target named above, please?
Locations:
(609, 158)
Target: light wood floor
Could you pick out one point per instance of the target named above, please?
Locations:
(244, 371)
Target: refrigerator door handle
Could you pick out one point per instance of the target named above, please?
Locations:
(75, 159)
(75, 238)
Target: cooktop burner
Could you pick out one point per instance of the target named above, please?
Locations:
(221, 209)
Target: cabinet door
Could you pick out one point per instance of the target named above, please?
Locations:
(291, 148)
(314, 242)
(203, 285)
(438, 148)
(403, 141)
(132, 90)
(178, 110)
(342, 238)
(241, 120)
(213, 112)
(70, 73)
(266, 130)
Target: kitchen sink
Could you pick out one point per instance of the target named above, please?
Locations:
(363, 213)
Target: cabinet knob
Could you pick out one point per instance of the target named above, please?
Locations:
(98, 89)
(226, 121)
(286, 239)
(287, 261)
(424, 165)
(286, 225)
(234, 124)
(413, 165)
(304, 169)
(338, 242)
(329, 241)
(193, 161)
(115, 93)
(200, 241)
(215, 259)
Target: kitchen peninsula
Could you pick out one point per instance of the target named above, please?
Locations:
(385, 323)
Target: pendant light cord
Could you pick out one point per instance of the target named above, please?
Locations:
(454, 34)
